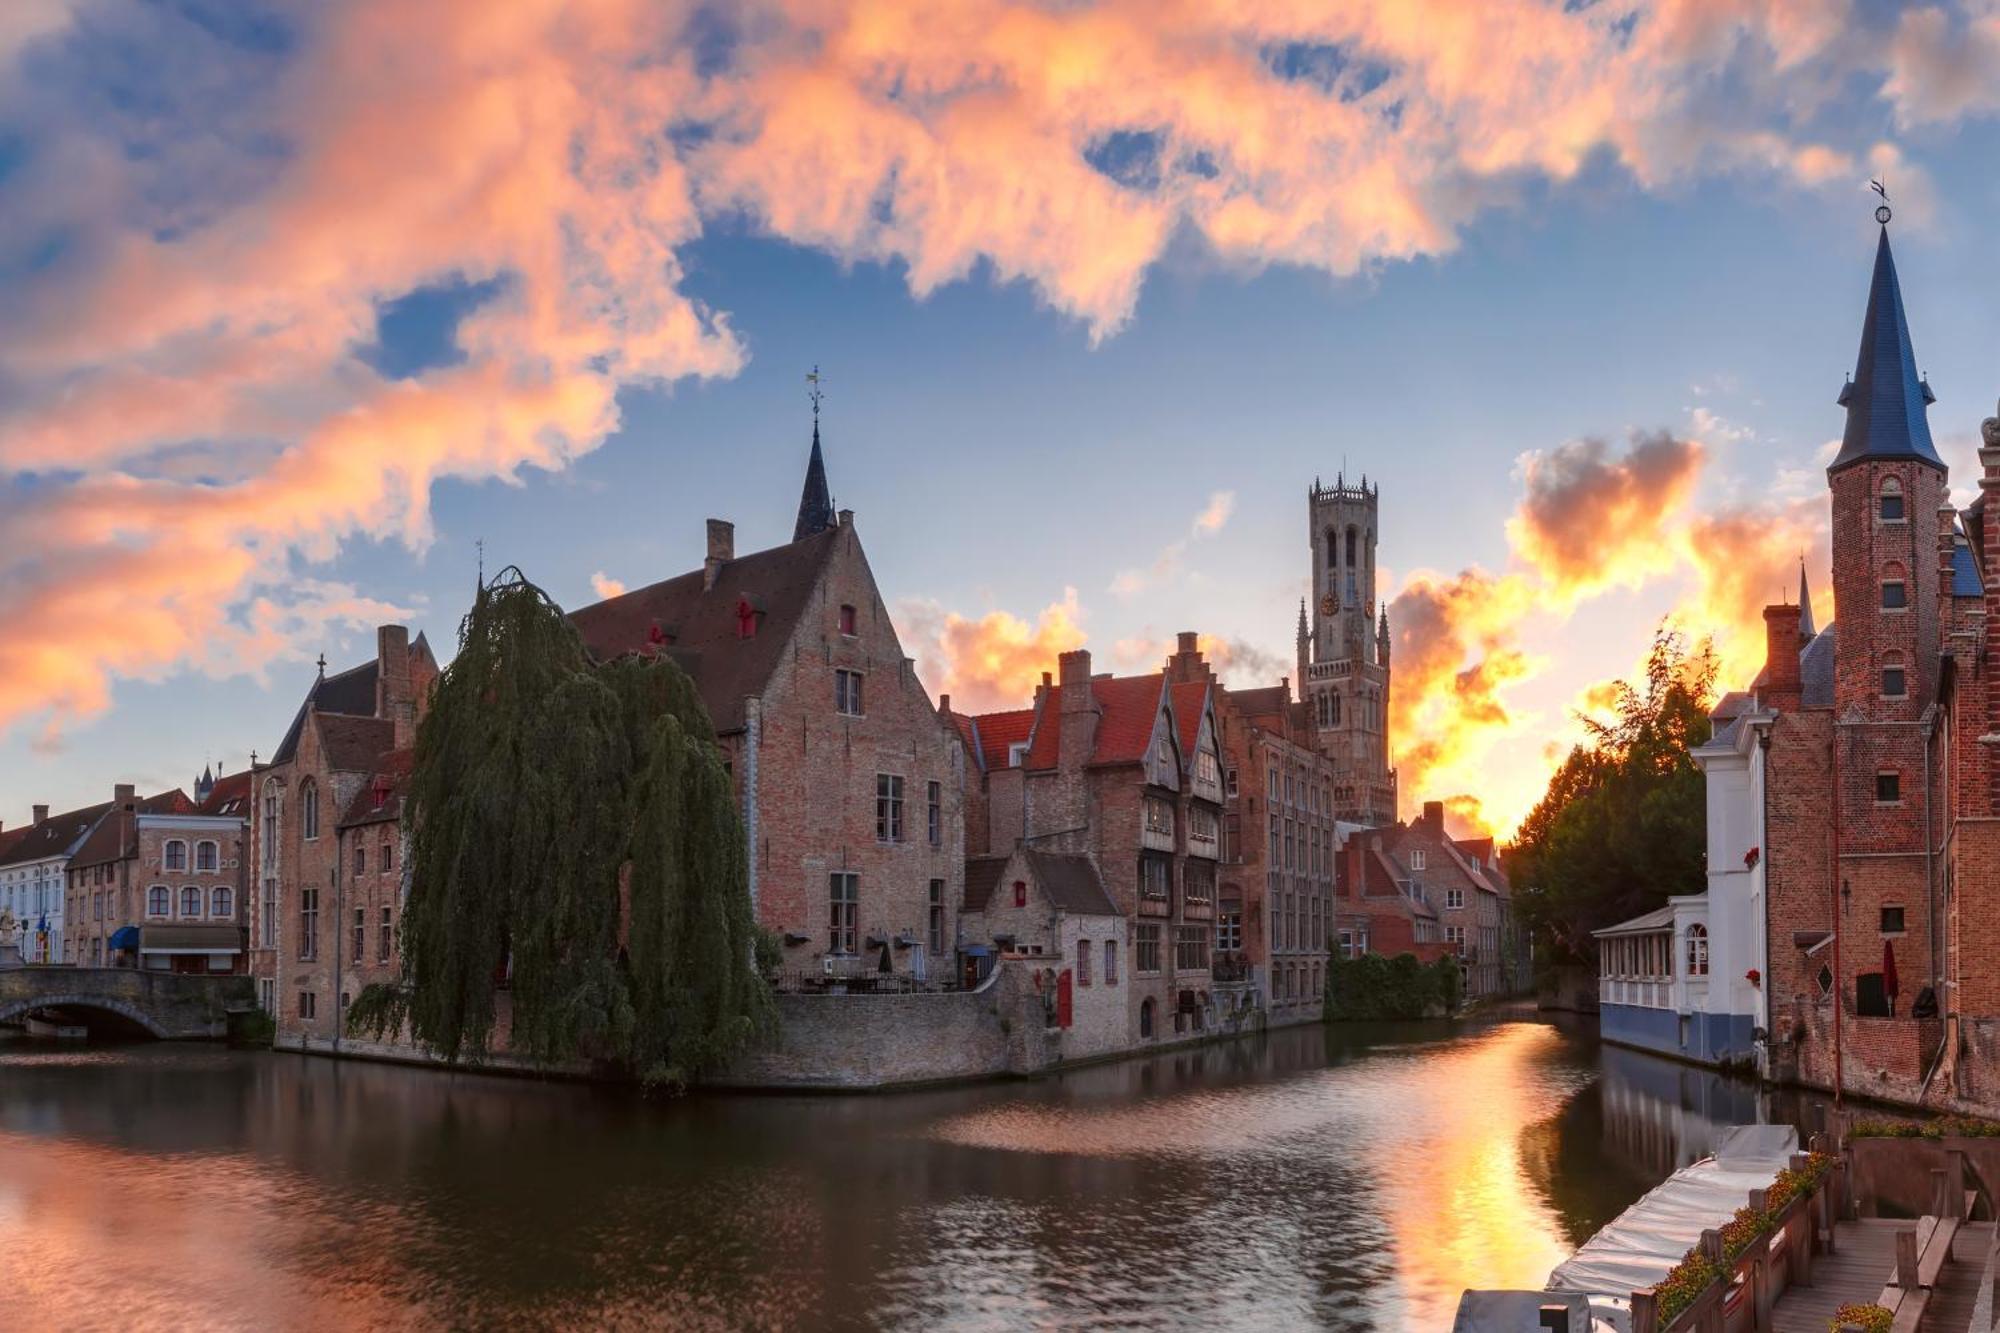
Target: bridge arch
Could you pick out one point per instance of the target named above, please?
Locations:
(15, 1009)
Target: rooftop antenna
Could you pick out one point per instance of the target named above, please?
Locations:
(1882, 213)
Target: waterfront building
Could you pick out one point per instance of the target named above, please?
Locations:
(850, 781)
(373, 885)
(335, 746)
(1379, 905)
(1051, 908)
(1343, 651)
(1865, 806)
(1127, 772)
(159, 883)
(1275, 918)
(1468, 892)
(34, 879)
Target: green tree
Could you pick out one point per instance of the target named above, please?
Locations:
(572, 828)
(1622, 823)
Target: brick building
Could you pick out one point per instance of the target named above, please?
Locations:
(1052, 905)
(1463, 884)
(1876, 820)
(34, 879)
(1343, 649)
(1127, 772)
(158, 884)
(1379, 907)
(1277, 909)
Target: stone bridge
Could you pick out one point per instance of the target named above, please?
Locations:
(172, 1006)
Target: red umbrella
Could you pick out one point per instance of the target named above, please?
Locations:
(1889, 984)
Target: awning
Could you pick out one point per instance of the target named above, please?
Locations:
(1659, 919)
(191, 939)
(975, 951)
(125, 937)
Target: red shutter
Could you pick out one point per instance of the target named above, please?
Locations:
(1065, 999)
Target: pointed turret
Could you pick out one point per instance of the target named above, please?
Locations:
(1886, 400)
(1382, 636)
(815, 501)
(1806, 631)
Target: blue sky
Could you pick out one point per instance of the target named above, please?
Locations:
(1002, 441)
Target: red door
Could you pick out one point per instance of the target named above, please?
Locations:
(1065, 999)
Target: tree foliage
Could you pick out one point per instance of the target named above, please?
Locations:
(1372, 987)
(572, 829)
(1622, 824)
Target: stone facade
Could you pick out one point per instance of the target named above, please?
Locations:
(1343, 650)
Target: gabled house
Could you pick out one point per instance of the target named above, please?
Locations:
(1052, 905)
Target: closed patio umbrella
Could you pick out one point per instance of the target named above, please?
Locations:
(1889, 983)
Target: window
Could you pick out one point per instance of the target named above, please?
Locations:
(308, 924)
(1892, 921)
(1146, 1017)
(1203, 826)
(309, 809)
(1146, 949)
(156, 900)
(1895, 684)
(888, 808)
(844, 895)
(97, 907)
(1892, 500)
(206, 857)
(271, 809)
(1205, 768)
(1083, 962)
(308, 1004)
(1231, 782)
(847, 692)
(1191, 949)
(360, 859)
(385, 936)
(1020, 893)
(934, 813)
(1416, 858)
(176, 855)
(1111, 962)
(222, 902)
(1454, 899)
(1198, 883)
(1158, 813)
(1155, 877)
(190, 901)
(1697, 950)
(847, 621)
(387, 860)
(1229, 932)
(267, 995)
(1895, 593)
(1888, 789)
(1455, 936)
(268, 928)
(937, 916)
(360, 935)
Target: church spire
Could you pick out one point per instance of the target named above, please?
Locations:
(815, 501)
(1382, 636)
(1885, 400)
(1806, 630)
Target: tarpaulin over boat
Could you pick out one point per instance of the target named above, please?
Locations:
(1640, 1246)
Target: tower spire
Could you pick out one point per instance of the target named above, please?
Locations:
(1886, 399)
(815, 501)
(1806, 630)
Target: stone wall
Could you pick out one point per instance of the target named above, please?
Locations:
(885, 1041)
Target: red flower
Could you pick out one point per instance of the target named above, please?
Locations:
(1750, 858)
(1753, 976)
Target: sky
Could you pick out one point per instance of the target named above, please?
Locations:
(304, 302)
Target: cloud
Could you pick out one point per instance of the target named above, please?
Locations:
(1590, 519)
(1237, 662)
(994, 661)
(1220, 506)
(1941, 66)
(605, 587)
(1167, 563)
(204, 220)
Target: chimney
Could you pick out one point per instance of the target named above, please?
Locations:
(1188, 641)
(41, 814)
(847, 518)
(1781, 657)
(123, 796)
(1434, 815)
(1079, 710)
(395, 697)
(721, 550)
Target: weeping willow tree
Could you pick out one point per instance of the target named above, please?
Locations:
(572, 827)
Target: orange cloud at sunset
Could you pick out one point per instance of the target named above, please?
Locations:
(995, 661)
(1590, 521)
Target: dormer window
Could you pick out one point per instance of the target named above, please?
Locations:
(1892, 500)
(847, 622)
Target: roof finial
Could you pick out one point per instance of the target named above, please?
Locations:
(815, 394)
(1882, 213)
(322, 666)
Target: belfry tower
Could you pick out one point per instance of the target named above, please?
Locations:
(1344, 651)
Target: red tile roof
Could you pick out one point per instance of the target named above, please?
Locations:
(229, 796)
(1190, 698)
(1127, 708)
(991, 737)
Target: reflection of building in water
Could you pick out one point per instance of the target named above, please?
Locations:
(1666, 1115)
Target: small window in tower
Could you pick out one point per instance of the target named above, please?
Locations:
(1892, 921)
(1895, 594)
(1888, 788)
(1892, 500)
(1895, 684)
(847, 621)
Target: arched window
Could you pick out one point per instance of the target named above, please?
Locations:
(273, 808)
(1333, 708)
(190, 901)
(156, 900)
(309, 809)
(1895, 680)
(175, 855)
(1332, 549)
(222, 902)
(1892, 500)
(207, 856)
(1697, 950)
(1352, 538)
(1895, 592)
(1146, 1019)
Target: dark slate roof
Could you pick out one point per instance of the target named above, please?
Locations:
(1886, 401)
(1965, 580)
(815, 501)
(351, 692)
(352, 744)
(380, 799)
(702, 626)
(1071, 883)
(1816, 670)
(54, 836)
(1268, 699)
(981, 874)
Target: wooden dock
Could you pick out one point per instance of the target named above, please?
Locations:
(1863, 1259)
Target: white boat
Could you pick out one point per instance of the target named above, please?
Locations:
(53, 1031)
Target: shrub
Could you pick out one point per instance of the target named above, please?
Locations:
(1373, 987)
(1870, 1318)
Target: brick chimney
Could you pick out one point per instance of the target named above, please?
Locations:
(1782, 683)
(1434, 816)
(721, 550)
(41, 814)
(124, 796)
(1079, 709)
(395, 697)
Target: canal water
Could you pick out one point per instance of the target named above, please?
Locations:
(1341, 1178)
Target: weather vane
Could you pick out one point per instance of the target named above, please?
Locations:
(814, 393)
(1882, 213)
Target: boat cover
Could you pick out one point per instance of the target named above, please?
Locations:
(1640, 1246)
(1520, 1312)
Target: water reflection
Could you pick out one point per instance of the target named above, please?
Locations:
(1351, 1178)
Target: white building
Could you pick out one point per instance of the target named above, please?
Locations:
(33, 873)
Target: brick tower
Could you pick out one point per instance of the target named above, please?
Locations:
(1344, 651)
